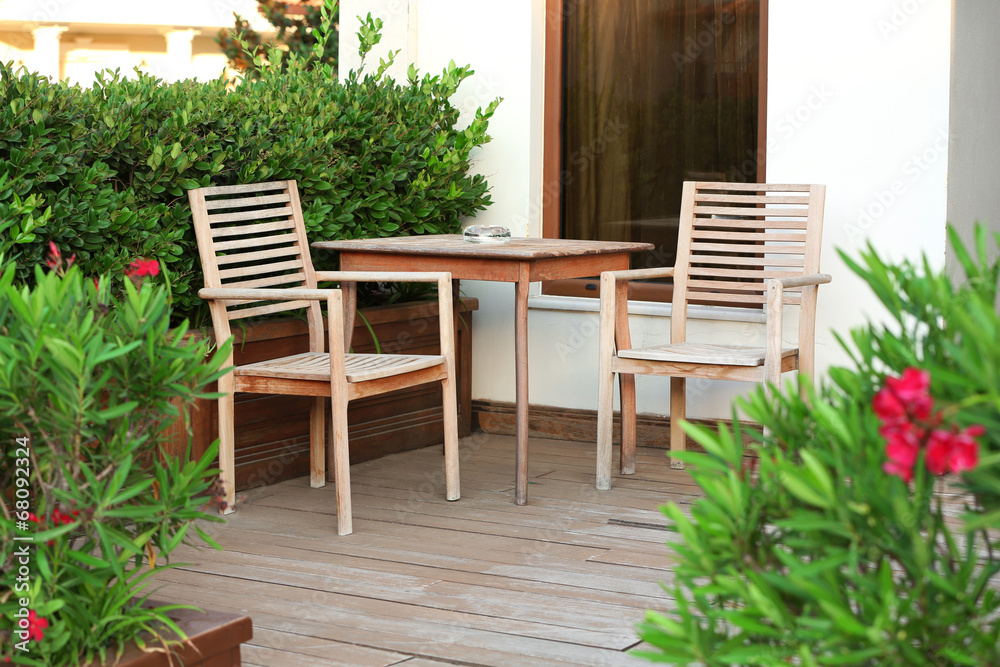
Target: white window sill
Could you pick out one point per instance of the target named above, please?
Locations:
(588, 305)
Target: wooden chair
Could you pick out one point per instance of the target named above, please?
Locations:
(255, 259)
(738, 244)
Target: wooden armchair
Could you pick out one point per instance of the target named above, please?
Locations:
(256, 261)
(738, 244)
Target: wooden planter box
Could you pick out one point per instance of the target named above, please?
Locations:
(213, 640)
(272, 432)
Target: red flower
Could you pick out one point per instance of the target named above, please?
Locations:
(899, 470)
(143, 267)
(888, 407)
(54, 260)
(63, 518)
(939, 451)
(905, 396)
(911, 386)
(36, 626)
(54, 256)
(949, 451)
(903, 450)
(907, 413)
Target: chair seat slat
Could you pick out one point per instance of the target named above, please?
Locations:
(704, 353)
(360, 367)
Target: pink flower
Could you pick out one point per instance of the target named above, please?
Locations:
(36, 626)
(143, 267)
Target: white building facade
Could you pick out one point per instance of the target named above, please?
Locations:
(880, 100)
(75, 39)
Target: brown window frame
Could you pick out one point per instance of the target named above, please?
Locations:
(552, 153)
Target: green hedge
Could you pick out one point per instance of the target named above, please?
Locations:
(102, 172)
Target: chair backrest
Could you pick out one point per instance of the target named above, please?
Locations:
(253, 236)
(733, 236)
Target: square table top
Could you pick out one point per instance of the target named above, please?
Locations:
(517, 248)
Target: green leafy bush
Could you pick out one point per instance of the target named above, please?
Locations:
(819, 551)
(89, 510)
(103, 172)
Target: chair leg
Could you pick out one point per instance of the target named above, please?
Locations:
(678, 440)
(605, 422)
(227, 451)
(626, 458)
(340, 455)
(450, 416)
(317, 443)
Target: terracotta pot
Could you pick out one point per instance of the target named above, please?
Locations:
(272, 432)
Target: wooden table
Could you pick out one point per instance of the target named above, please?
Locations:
(519, 261)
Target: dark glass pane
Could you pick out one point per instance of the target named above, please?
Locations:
(654, 93)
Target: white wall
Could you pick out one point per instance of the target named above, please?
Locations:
(858, 100)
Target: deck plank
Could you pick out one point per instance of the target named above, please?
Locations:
(425, 582)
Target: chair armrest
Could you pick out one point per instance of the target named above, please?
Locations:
(384, 276)
(640, 274)
(802, 281)
(290, 294)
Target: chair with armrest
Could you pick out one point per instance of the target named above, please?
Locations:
(255, 258)
(738, 244)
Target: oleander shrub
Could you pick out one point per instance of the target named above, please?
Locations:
(836, 544)
(89, 512)
(103, 171)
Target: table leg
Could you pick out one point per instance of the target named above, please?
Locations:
(462, 339)
(350, 292)
(521, 384)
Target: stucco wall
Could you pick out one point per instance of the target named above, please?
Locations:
(857, 99)
(974, 142)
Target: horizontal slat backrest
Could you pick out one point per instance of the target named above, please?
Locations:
(733, 236)
(253, 236)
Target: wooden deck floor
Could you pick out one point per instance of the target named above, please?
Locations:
(422, 581)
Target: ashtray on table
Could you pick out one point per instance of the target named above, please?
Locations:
(486, 234)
